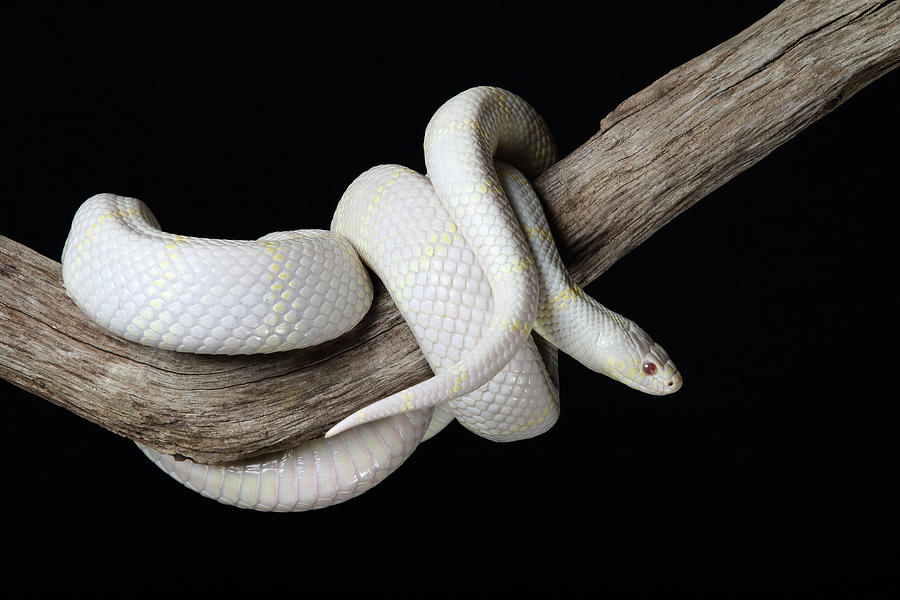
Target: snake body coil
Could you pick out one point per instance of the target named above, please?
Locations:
(466, 254)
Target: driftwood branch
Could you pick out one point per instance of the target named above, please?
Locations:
(654, 156)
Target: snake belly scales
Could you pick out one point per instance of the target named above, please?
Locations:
(467, 255)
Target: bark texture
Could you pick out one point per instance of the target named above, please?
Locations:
(653, 157)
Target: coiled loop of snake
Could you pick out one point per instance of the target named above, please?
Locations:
(471, 270)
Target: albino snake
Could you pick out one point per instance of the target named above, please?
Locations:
(467, 255)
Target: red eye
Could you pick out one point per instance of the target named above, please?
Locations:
(649, 368)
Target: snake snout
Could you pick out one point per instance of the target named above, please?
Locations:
(672, 383)
(661, 377)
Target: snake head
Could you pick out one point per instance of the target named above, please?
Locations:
(633, 358)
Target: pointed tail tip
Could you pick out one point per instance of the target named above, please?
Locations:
(446, 385)
(346, 424)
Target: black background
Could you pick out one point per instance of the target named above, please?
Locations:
(778, 458)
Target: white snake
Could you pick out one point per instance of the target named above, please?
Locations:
(467, 255)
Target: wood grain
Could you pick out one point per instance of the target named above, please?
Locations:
(653, 157)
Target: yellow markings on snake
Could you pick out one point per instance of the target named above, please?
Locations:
(233, 300)
(514, 266)
(538, 232)
(176, 241)
(512, 325)
(563, 298)
(408, 397)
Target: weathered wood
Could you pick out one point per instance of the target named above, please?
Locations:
(706, 121)
(654, 156)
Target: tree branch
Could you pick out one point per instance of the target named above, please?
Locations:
(653, 157)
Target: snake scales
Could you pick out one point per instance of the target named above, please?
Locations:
(467, 255)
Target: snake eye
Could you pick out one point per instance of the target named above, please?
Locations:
(649, 368)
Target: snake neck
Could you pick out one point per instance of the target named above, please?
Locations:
(559, 322)
(605, 341)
